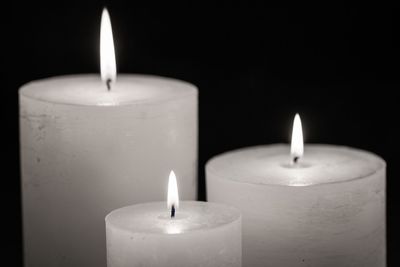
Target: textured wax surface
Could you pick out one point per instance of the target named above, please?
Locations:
(81, 161)
(203, 234)
(271, 165)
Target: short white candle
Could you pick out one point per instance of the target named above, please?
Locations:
(87, 150)
(326, 210)
(200, 234)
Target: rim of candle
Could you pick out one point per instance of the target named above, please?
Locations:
(381, 164)
(222, 209)
(170, 90)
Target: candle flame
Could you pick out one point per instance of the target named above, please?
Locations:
(107, 54)
(297, 145)
(173, 196)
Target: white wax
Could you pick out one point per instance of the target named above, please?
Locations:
(202, 234)
(86, 151)
(327, 211)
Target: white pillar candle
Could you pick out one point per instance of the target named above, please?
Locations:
(326, 210)
(200, 234)
(87, 150)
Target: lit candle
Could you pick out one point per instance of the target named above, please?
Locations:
(323, 208)
(174, 235)
(90, 145)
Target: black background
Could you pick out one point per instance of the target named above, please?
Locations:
(255, 68)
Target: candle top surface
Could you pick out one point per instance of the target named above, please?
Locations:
(271, 165)
(90, 90)
(155, 218)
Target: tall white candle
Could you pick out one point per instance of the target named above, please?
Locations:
(328, 209)
(199, 234)
(86, 150)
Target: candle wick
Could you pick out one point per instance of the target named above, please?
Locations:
(172, 211)
(108, 83)
(296, 159)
